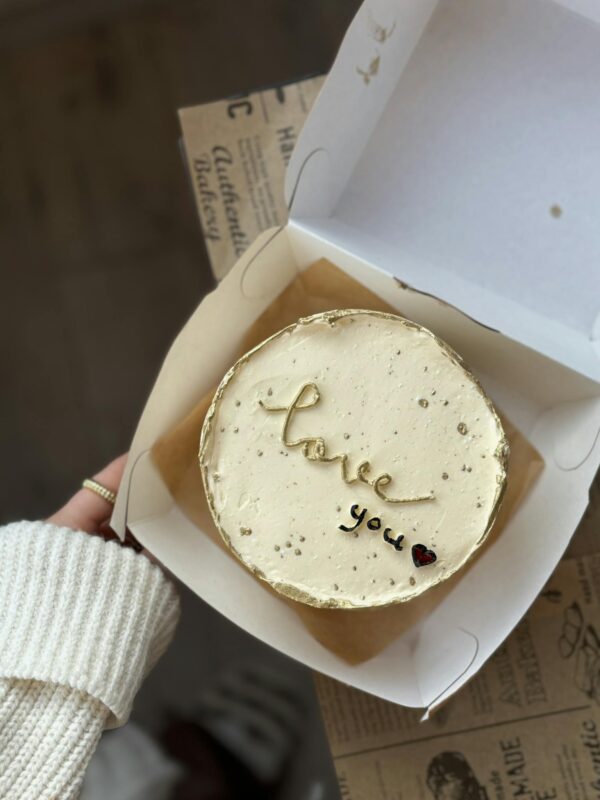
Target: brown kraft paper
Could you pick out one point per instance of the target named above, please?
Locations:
(358, 634)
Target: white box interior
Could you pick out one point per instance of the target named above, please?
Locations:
(469, 163)
(557, 409)
(441, 170)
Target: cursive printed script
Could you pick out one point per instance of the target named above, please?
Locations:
(314, 448)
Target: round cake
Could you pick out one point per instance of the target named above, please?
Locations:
(351, 460)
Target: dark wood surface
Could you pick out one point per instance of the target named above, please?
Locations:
(101, 254)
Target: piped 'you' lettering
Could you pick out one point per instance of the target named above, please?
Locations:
(422, 556)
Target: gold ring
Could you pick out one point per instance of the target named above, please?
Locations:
(96, 487)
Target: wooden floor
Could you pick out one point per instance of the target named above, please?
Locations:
(101, 254)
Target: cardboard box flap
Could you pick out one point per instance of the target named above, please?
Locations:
(460, 139)
(192, 369)
(555, 408)
(347, 110)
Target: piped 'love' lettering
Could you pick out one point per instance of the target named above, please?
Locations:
(314, 448)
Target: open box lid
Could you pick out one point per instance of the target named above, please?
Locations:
(553, 406)
(455, 145)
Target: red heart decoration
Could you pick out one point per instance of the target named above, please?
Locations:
(422, 556)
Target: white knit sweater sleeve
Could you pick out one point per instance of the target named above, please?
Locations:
(81, 623)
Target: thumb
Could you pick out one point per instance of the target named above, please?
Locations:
(86, 510)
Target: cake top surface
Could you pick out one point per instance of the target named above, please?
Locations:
(351, 460)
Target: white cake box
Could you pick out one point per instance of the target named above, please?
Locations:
(453, 153)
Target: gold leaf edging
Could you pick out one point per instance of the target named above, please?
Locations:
(501, 455)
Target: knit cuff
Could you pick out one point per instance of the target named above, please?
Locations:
(79, 611)
(47, 736)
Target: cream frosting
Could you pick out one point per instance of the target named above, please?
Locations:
(291, 424)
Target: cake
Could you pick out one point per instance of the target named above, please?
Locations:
(351, 460)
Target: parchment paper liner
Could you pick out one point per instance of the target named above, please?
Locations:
(358, 634)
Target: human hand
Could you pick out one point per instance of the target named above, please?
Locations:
(86, 510)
